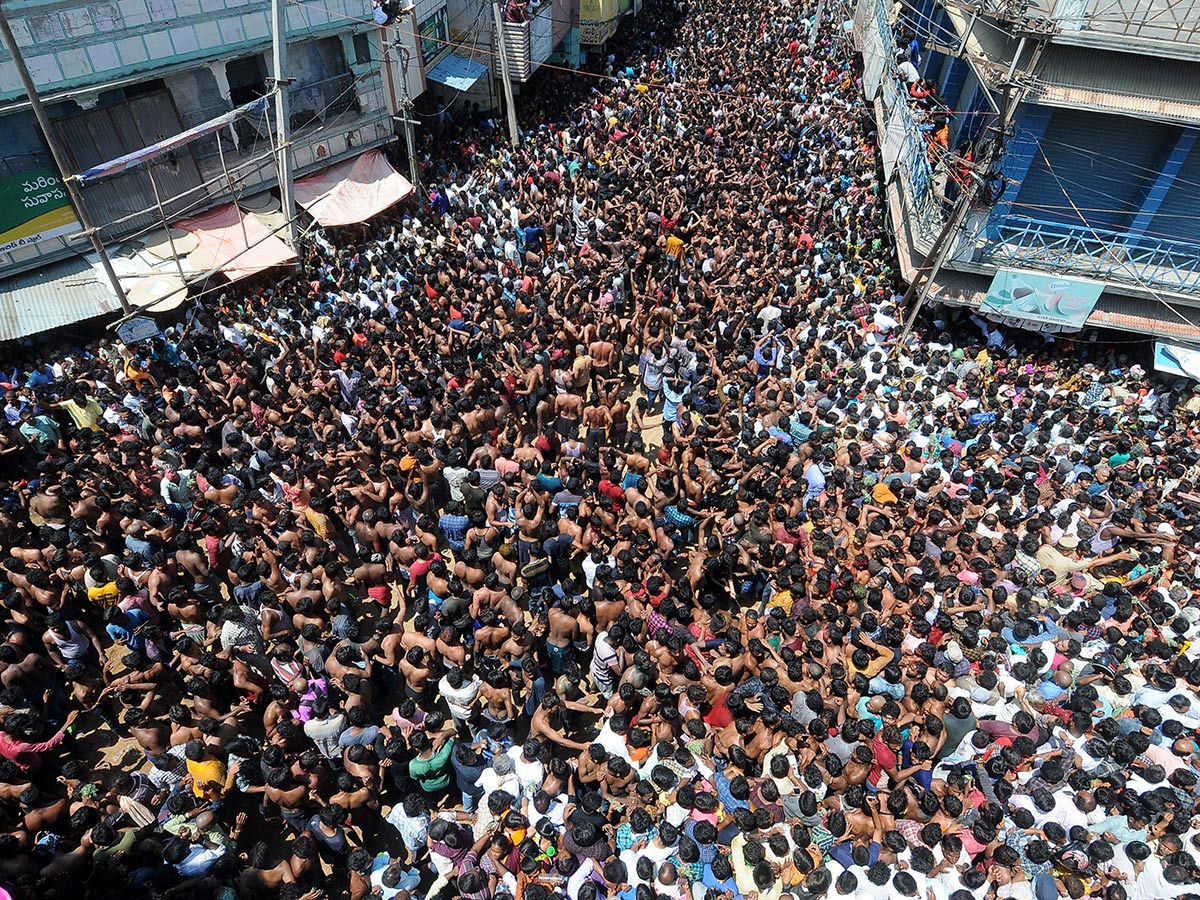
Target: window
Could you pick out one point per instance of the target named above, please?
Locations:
(247, 78)
(362, 48)
(435, 32)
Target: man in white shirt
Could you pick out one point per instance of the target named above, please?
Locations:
(528, 769)
(460, 693)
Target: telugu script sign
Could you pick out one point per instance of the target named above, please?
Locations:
(34, 206)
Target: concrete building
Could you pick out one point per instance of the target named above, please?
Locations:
(119, 75)
(447, 52)
(1100, 167)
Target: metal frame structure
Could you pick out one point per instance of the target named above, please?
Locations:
(1176, 21)
(1111, 256)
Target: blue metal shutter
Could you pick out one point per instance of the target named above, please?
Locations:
(1099, 163)
(944, 35)
(952, 80)
(974, 118)
(1176, 217)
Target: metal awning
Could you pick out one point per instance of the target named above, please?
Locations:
(457, 72)
(1147, 87)
(59, 294)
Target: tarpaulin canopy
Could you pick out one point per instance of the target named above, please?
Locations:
(457, 72)
(121, 164)
(352, 191)
(237, 243)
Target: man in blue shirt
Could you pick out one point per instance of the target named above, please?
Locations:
(678, 517)
(453, 525)
(124, 626)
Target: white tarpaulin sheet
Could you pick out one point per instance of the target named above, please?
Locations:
(541, 37)
(893, 142)
(237, 243)
(874, 63)
(352, 191)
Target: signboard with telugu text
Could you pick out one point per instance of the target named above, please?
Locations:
(34, 206)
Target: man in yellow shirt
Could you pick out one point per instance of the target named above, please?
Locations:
(861, 660)
(206, 771)
(84, 411)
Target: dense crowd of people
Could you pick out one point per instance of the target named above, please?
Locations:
(588, 533)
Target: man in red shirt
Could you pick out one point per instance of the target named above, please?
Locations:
(885, 772)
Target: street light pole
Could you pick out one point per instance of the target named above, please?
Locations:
(60, 161)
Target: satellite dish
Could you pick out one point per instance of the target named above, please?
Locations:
(261, 203)
(158, 243)
(158, 293)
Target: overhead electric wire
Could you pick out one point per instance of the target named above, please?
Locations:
(1118, 257)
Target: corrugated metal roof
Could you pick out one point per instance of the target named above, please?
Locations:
(58, 294)
(1112, 310)
(1134, 84)
(1121, 82)
(1164, 28)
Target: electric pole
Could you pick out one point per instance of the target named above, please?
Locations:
(406, 118)
(283, 120)
(502, 48)
(1014, 91)
(60, 161)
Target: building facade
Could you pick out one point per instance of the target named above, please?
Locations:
(1097, 176)
(447, 53)
(120, 75)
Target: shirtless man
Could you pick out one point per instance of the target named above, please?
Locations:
(51, 506)
(595, 422)
(563, 632)
(568, 412)
(602, 352)
(417, 672)
(496, 706)
(260, 879)
(547, 721)
(152, 735)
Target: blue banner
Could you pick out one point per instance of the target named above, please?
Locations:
(138, 157)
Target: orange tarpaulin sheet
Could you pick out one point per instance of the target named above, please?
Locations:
(236, 250)
(352, 191)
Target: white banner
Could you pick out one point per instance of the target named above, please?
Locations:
(893, 142)
(874, 62)
(1175, 359)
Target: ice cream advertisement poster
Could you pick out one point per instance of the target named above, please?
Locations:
(1044, 299)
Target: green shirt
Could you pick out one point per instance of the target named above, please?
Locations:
(41, 431)
(433, 774)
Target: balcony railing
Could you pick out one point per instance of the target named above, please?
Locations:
(1095, 253)
(922, 207)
